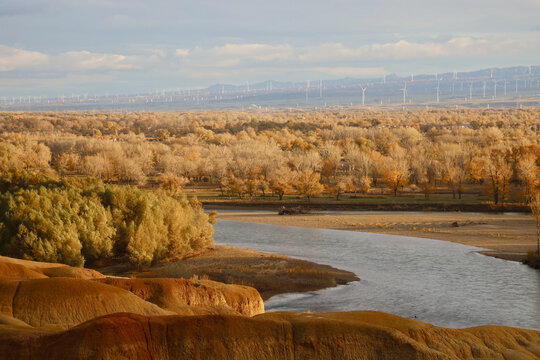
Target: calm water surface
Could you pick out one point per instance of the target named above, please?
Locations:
(439, 282)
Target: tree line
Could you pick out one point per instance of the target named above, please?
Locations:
(276, 154)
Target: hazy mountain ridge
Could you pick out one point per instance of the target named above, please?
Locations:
(503, 87)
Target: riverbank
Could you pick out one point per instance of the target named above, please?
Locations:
(269, 274)
(507, 236)
(366, 204)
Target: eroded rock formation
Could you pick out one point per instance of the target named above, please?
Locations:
(58, 312)
(194, 297)
(353, 335)
(53, 296)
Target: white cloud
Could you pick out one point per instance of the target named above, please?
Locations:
(231, 62)
(403, 50)
(182, 52)
(237, 55)
(86, 60)
(230, 55)
(13, 58)
(72, 62)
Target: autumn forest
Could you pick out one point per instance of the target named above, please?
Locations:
(306, 154)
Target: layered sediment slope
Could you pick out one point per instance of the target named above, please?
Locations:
(53, 296)
(188, 297)
(18, 269)
(354, 335)
(66, 302)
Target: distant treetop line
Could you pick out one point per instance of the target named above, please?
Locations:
(497, 87)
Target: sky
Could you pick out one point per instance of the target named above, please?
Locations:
(64, 47)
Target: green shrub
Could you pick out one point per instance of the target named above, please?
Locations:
(76, 221)
(40, 225)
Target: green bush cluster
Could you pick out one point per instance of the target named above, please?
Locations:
(80, 221)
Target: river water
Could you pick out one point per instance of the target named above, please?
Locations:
(439, 282)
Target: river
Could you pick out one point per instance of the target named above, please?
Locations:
(439, 282)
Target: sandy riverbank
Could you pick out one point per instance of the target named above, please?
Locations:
(509, 236)
(270, 274)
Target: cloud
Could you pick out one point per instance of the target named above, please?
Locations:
(13, 58)
(230, 55)
(88, 61)
(155, 63)
(350, 71)
(405, 50)
(182, 52)
(236, 55)
(39, 64)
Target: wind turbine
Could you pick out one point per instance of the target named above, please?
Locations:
(412, 77)
(438, 89)
(470, 90)
(320, 89)
(363, 94)
(404, 93)
(484, 89)
(495, 89)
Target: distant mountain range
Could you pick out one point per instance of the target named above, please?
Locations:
(498, 87)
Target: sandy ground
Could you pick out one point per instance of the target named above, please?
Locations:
(506, 235)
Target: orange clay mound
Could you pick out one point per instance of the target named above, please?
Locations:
(18, 269)
(187, 297)
(65, 302)
(244, 299)
(180, 296)
(29, 263)
(72, 272)
(354, 335)
(13, 271)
